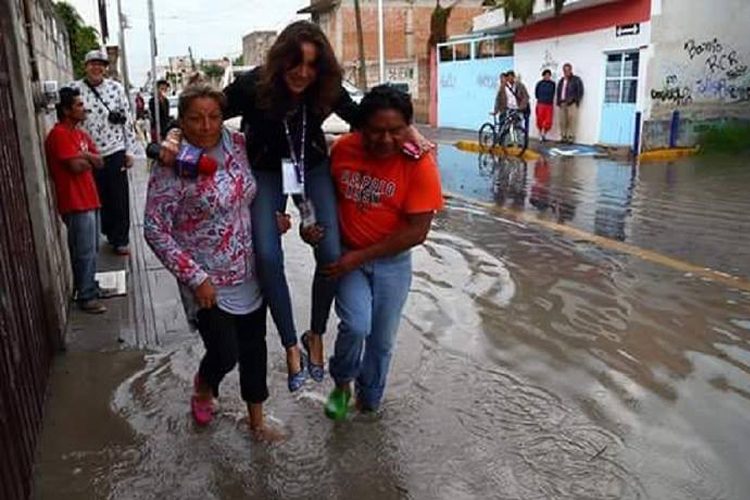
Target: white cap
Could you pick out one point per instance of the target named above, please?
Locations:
(96, 55)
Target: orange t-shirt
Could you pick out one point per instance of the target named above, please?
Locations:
(375, 195)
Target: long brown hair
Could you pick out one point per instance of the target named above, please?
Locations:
(285, 54)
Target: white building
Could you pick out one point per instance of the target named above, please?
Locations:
(652, 57)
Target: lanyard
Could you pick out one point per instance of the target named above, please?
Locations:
(299, 163)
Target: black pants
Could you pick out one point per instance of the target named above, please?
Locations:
(112, 184)
(229, 338)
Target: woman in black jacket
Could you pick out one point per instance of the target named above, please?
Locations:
(283, 105)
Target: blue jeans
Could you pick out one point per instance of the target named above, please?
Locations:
(369, 302)
(83, 245)
(269, 254)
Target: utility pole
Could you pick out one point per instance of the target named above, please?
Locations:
(123, 56)
(154, 79)
(381, 42)
(362, 73)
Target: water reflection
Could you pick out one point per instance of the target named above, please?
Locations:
(695, 209)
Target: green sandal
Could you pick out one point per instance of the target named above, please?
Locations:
(337, 406)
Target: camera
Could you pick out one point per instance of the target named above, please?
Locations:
(117, 118)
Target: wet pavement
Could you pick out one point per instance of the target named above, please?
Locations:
(530, 364)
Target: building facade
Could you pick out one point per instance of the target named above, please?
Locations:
(647, 58)
(407, 32)
(255, 47)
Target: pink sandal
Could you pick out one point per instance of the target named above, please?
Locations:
(202, 409)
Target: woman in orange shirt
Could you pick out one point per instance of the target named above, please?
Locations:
(386, 202)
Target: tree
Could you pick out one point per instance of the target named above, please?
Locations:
(239, 61)
(212, 70)
(82, 38)
(522, 10)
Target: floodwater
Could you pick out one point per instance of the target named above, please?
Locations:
(529, 365)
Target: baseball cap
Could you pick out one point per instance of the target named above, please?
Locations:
(96, 55)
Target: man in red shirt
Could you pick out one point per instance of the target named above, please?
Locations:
(71, 156)
(386, 203)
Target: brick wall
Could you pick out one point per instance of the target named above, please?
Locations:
(407, 31)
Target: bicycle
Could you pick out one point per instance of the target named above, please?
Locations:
(506, 130)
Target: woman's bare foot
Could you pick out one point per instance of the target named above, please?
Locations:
(259, 429)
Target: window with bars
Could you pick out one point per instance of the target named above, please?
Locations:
(621, 78)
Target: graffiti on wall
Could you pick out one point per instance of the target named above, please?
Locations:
(549, 63)
(712, 72)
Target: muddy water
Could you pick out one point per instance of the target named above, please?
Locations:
(528, 365)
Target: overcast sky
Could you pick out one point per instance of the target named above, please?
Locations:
(213, 28)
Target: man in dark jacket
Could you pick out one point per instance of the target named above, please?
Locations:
(569, 95)
(164, 119)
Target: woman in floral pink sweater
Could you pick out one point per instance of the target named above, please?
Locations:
(200, 229)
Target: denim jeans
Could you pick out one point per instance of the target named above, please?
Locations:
(369, 302)
(83, 245)
(269, 254)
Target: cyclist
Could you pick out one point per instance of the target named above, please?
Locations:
(512, 95)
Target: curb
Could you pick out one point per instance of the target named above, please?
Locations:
(475, 147)
(667, 154)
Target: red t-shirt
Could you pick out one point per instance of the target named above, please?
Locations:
(76, 192)
(376, 195)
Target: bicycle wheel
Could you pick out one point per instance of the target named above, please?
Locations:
(512, 140)
(487, 136)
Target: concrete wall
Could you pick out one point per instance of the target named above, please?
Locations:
(52, 59)
(701, 63)
(587, 53)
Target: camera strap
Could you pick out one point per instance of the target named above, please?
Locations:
(96, 93)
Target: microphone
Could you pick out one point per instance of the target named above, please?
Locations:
(191, 161)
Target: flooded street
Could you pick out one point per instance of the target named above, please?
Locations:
(530, 364)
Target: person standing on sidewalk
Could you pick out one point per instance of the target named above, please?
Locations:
(163, 110)
(545, 103)
(200, 228)
(387, 201)
(72, 156)
(569, 95)
(110, 124)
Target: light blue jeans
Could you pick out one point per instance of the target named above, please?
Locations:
(369, 302)
(83, 245)
(269, 254)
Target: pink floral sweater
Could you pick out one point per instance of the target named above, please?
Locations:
(200, 228)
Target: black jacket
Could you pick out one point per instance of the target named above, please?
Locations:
(264, 130)
(165, 122)
(575, 90)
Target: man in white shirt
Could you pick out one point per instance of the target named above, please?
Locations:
(110, 124)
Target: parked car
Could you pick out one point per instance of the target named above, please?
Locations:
(335, 125)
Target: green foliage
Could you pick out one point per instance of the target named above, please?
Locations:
(82, 38)
(213, 70)
(522, 10)
(239, 61)
(728, 138)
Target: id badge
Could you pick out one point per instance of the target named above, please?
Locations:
(307, 213)
(289, 178)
